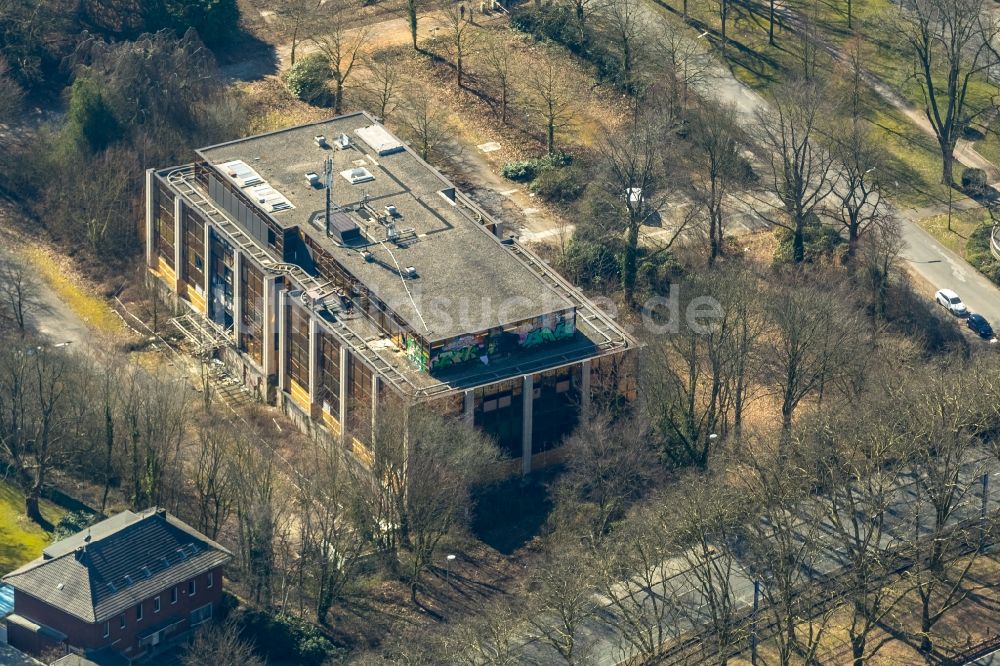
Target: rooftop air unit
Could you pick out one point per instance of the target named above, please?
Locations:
(343, 142)
(411, 272)
(320, 141)
(368, 256)
(357, 175)
(312, 178)
(391, 211)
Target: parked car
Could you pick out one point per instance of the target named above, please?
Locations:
(979, 325)
(951, 302)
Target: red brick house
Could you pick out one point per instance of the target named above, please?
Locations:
(125, 586)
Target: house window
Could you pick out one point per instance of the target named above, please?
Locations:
(173, 595)
(210, 581)
(200, 615)
(192, 588)
(107, 628)
(156, 604)
(138, 613)
(121, 620)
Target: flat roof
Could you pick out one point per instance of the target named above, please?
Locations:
(466, 281)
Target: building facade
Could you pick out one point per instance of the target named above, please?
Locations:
(126, 586)
(340, 275)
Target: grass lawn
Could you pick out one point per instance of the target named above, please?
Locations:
(20, 539)
(963, 223)
(92, 309)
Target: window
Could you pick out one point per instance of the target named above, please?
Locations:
(156, 604)
(200, 615)
(107, 628)
(121, 620)
(192, 588)
(173, 595)
(138, 613)
(210, 581)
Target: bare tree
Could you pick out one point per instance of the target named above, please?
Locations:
(330, 546)
(19, 293)
(608, 468)
(425, 125)
(460, 36)
(382, 86)
(718, 144)
(300, 17)
(814, 341)
(562, 600)
(802, 172)
(220, 645)
(952, 45)
(340, 43)
(861, 205)
(680, 65)
(943, 414)
(861, 463)
(636, 567)
(624, 23)
(212, 476)
(488, 638)
(706, 519)
(551, 100)
(499, 60)
(637, 187)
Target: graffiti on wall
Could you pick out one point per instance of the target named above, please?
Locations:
(546, 328)
(416, 353)
(460, 350)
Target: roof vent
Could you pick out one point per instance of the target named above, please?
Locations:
(312, 178)
(411, 272)
(368, 256)
(343, 142)
(357, 175)
(320, 141)
(60, 586)
(391, 211)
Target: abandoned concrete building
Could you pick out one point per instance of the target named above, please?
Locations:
(337, 273)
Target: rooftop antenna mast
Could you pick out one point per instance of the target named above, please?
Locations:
(328, 182)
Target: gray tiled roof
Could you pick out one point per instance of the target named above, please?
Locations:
(96, 574)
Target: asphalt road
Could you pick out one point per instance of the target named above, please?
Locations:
(943, 269)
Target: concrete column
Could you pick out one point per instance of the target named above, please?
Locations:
(374, 407)
(178, 240)
(206, 273)
(268, 315)
(282, 340)
(585, 386)
(237, 292)
(342, 416)
(313, 359)
(528, 400)
(469, 409)
(150, 219)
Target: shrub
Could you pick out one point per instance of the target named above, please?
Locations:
(819, 240)
(522, 171)
(72, 523)
(289, 638)
(216, 21)
(558, 185)
(308, 77)
(973, 181)
(977, 252)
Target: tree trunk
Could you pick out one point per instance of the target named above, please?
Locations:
(550, 137)
(798, 243)
(850, 15)
(503, 104)
(629, 263)
(947, 162)
(770, 23)
(411, 11)
(925, 624)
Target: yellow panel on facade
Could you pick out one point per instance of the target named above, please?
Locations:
(331, 422)
(300, 395)
(196, 299)
(362, 451)
(166, 273)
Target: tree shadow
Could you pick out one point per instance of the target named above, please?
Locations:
(247, 58)
(512, 512)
